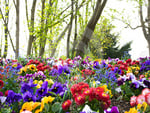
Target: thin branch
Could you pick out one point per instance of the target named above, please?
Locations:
(82, 4)
(26, 4)
(14, 4)
(8, 30)
(129, 25)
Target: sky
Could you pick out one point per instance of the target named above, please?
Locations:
(139, 45)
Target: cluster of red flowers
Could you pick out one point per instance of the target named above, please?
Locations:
(82, 93)
(40, 66)
(123, 65)
(144, 97)
(87, 72)
(1, 84)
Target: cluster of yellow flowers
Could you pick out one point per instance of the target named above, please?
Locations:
(30, 106)
(106, 90)
(133, 69)
(147, 74)
(139, 107)
(31, 67)
(39, 83)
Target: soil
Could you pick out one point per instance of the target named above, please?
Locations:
(122, 105)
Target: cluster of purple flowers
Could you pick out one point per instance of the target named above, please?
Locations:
(145, 66)
(36, 76)
(13, 97)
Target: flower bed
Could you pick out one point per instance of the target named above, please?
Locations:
(74, 85)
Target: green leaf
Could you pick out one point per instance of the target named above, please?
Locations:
(46, 106)
(56, 107)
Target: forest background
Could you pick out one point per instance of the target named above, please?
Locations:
(66, 19)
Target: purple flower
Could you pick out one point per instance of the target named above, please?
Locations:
(58, 88)
(28, 86)
(120, 82)
(96, 65)
(146, 83)
(39, 75)
(135, 84)
(60, 69)
(27, 97)
(66, 69)
(114, 109)
(17, 97)
(13, 97)
(54, 72)
(42, 91)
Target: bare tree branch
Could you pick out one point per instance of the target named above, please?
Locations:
(8, 30)
(26, 4)
(82, 4)
(14, 3)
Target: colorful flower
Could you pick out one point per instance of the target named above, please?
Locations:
(66, 104)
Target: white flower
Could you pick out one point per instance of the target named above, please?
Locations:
(2, 99)
(118, 89)
(87, 109)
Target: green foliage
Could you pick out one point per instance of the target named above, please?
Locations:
(115, 52)
(103, 38)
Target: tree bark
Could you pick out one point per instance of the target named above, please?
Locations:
(6, 28)
(31, 26)
(42, 28)
(17, 5)
(146, 30)
(75, 35)
(90, 27)
(42, 49)
(70, 28)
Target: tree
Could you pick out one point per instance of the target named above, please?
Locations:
(30, 25)
(83, 44)
(144, 19)
(75, 35)
(145, 23)
(5, 18)
(70, 28)
(17, 7)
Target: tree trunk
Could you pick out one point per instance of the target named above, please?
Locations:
(69, 31)
(31, 26)
(90, 27)
(6, 42)
(75, 35)
(17, 5)
(42, 28)
(6, 28)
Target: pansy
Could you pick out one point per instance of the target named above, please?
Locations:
(28, 86)
(13, 97)
(43, 90)
(27, 97)
(58, 88)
